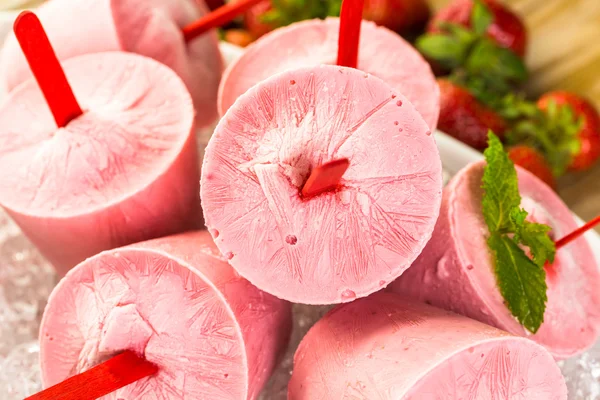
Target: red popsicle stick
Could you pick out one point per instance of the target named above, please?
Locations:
(101, 380)
(46, 69)
(577, 233)
(217, 18)
(349, 36)
(325, 177)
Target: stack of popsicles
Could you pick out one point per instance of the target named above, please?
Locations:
(321, 184)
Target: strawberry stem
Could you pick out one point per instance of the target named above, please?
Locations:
(101, 380)
(349, 36)
(325, 177)
(577, 233)
(217, 18)
(46, 68)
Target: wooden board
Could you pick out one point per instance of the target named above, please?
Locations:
(564, 53)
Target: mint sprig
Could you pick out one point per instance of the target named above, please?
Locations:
(521, 279)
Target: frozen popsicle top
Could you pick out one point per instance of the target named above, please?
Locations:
(386, 347)
(341, 244)
(455, 271)
(381, 53)
(178, 303)
(151, 28)
(137, 118)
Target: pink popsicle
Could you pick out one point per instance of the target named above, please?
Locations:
(386, 347)
(382, 53)
(124, 171)
(175, 300)
(340, 244)
(455, 270)
(148, 27)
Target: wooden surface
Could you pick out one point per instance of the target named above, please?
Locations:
(564, 53)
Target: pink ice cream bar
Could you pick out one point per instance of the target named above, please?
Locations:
(343, 243)
(381, 53)
(148, 27)
(386, 347)
(175, 300)
(124, 171)
(455, 271)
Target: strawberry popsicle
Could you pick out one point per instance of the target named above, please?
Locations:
(148, 27)
(177, 302)
(455, 271)
(125, 170)
(381, 53)
(386, 347)
(348, 241)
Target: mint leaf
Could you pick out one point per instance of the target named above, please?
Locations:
(499, 184)
(444, 49)
(522, 283)
(481, 18)
(535, 236)
(521, 280)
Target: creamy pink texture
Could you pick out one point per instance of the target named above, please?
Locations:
(455, 270)
(339, 245)
(149, 27)
(124, 171)
(175, 300)
(382, 53)
(386, 347)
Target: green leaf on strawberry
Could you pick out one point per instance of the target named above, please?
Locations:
(521, 280)
(478, 63)
(286, 12)
(449, 51)
(487, 59)
(514, 106)
(481, 18)
(553, 131)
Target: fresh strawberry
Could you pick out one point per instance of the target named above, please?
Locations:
(401, 16)
(552, 131)
(533, 161)
(506, 28)
(239, 37)
(465, 118)
(589, 130)
(253, 20)
(272, 14)
(460, 43)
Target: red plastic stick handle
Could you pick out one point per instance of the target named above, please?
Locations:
(325, 177)
(46, 68)
(101, 380)
(349, 36)
(217, 18)
(577, 232)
